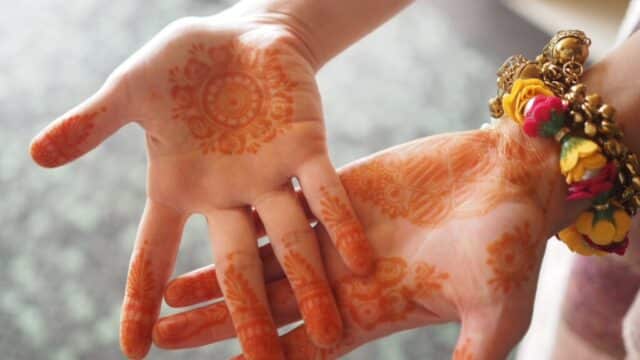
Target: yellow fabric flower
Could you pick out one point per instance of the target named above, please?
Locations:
(522, 91)
(576, 242)
(579, 155)
(604, 230)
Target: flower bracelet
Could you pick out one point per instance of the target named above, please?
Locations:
(546, 98)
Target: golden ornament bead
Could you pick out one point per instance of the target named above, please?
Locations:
(627, 193)
(590, 129)
(528, 71)
(594, 100)
(633, 160)
(579, 89)
(636, 201)
(587, 111)
(570, 49)
(495, 107)
(552, 71)
(631, 169)
(577, 116)
(569, 97)
(636, 182)
(607, 127)
(610, 147)
(622, 179)
(606, 111)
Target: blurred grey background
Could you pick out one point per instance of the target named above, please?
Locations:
(66, 234)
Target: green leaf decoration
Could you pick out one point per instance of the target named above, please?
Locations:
(568, 143)
(551, 127)
(606, 215)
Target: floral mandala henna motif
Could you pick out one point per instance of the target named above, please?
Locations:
(314, 299)
(61, 143)
(369, 303)
(232, 98)
(428, 281)
(251, 318)
(512, 259)
(377, 299)
(139, 312)
(341, 222)
(463, 352)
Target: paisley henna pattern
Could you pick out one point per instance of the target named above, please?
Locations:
(61, 144)
(254, 326)
(387, 296)
(436, 180)
(512, 259)
(423, 186)
(139, 311)
(396, 183)
(463, 352)
(315, 300)
(342, 224)
(232, 98)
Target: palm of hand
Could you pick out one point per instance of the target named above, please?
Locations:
(458, 223)
(231, 113)
(225, 105)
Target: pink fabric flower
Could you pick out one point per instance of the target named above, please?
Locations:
(588, 189)
(538, 112)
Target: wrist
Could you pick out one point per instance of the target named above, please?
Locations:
(324, 27)
(276, 14)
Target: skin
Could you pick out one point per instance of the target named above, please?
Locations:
(488, 216)
(231, 112)
(260, 47)
(483, 335)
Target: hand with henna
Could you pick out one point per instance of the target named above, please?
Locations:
(231, 113)
(458, 223)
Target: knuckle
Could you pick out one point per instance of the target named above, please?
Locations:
(242, 260)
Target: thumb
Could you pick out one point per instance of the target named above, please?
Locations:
(82, 128)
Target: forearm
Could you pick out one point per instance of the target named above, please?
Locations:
(327, 27)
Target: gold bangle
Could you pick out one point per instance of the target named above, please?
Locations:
(546, 97)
